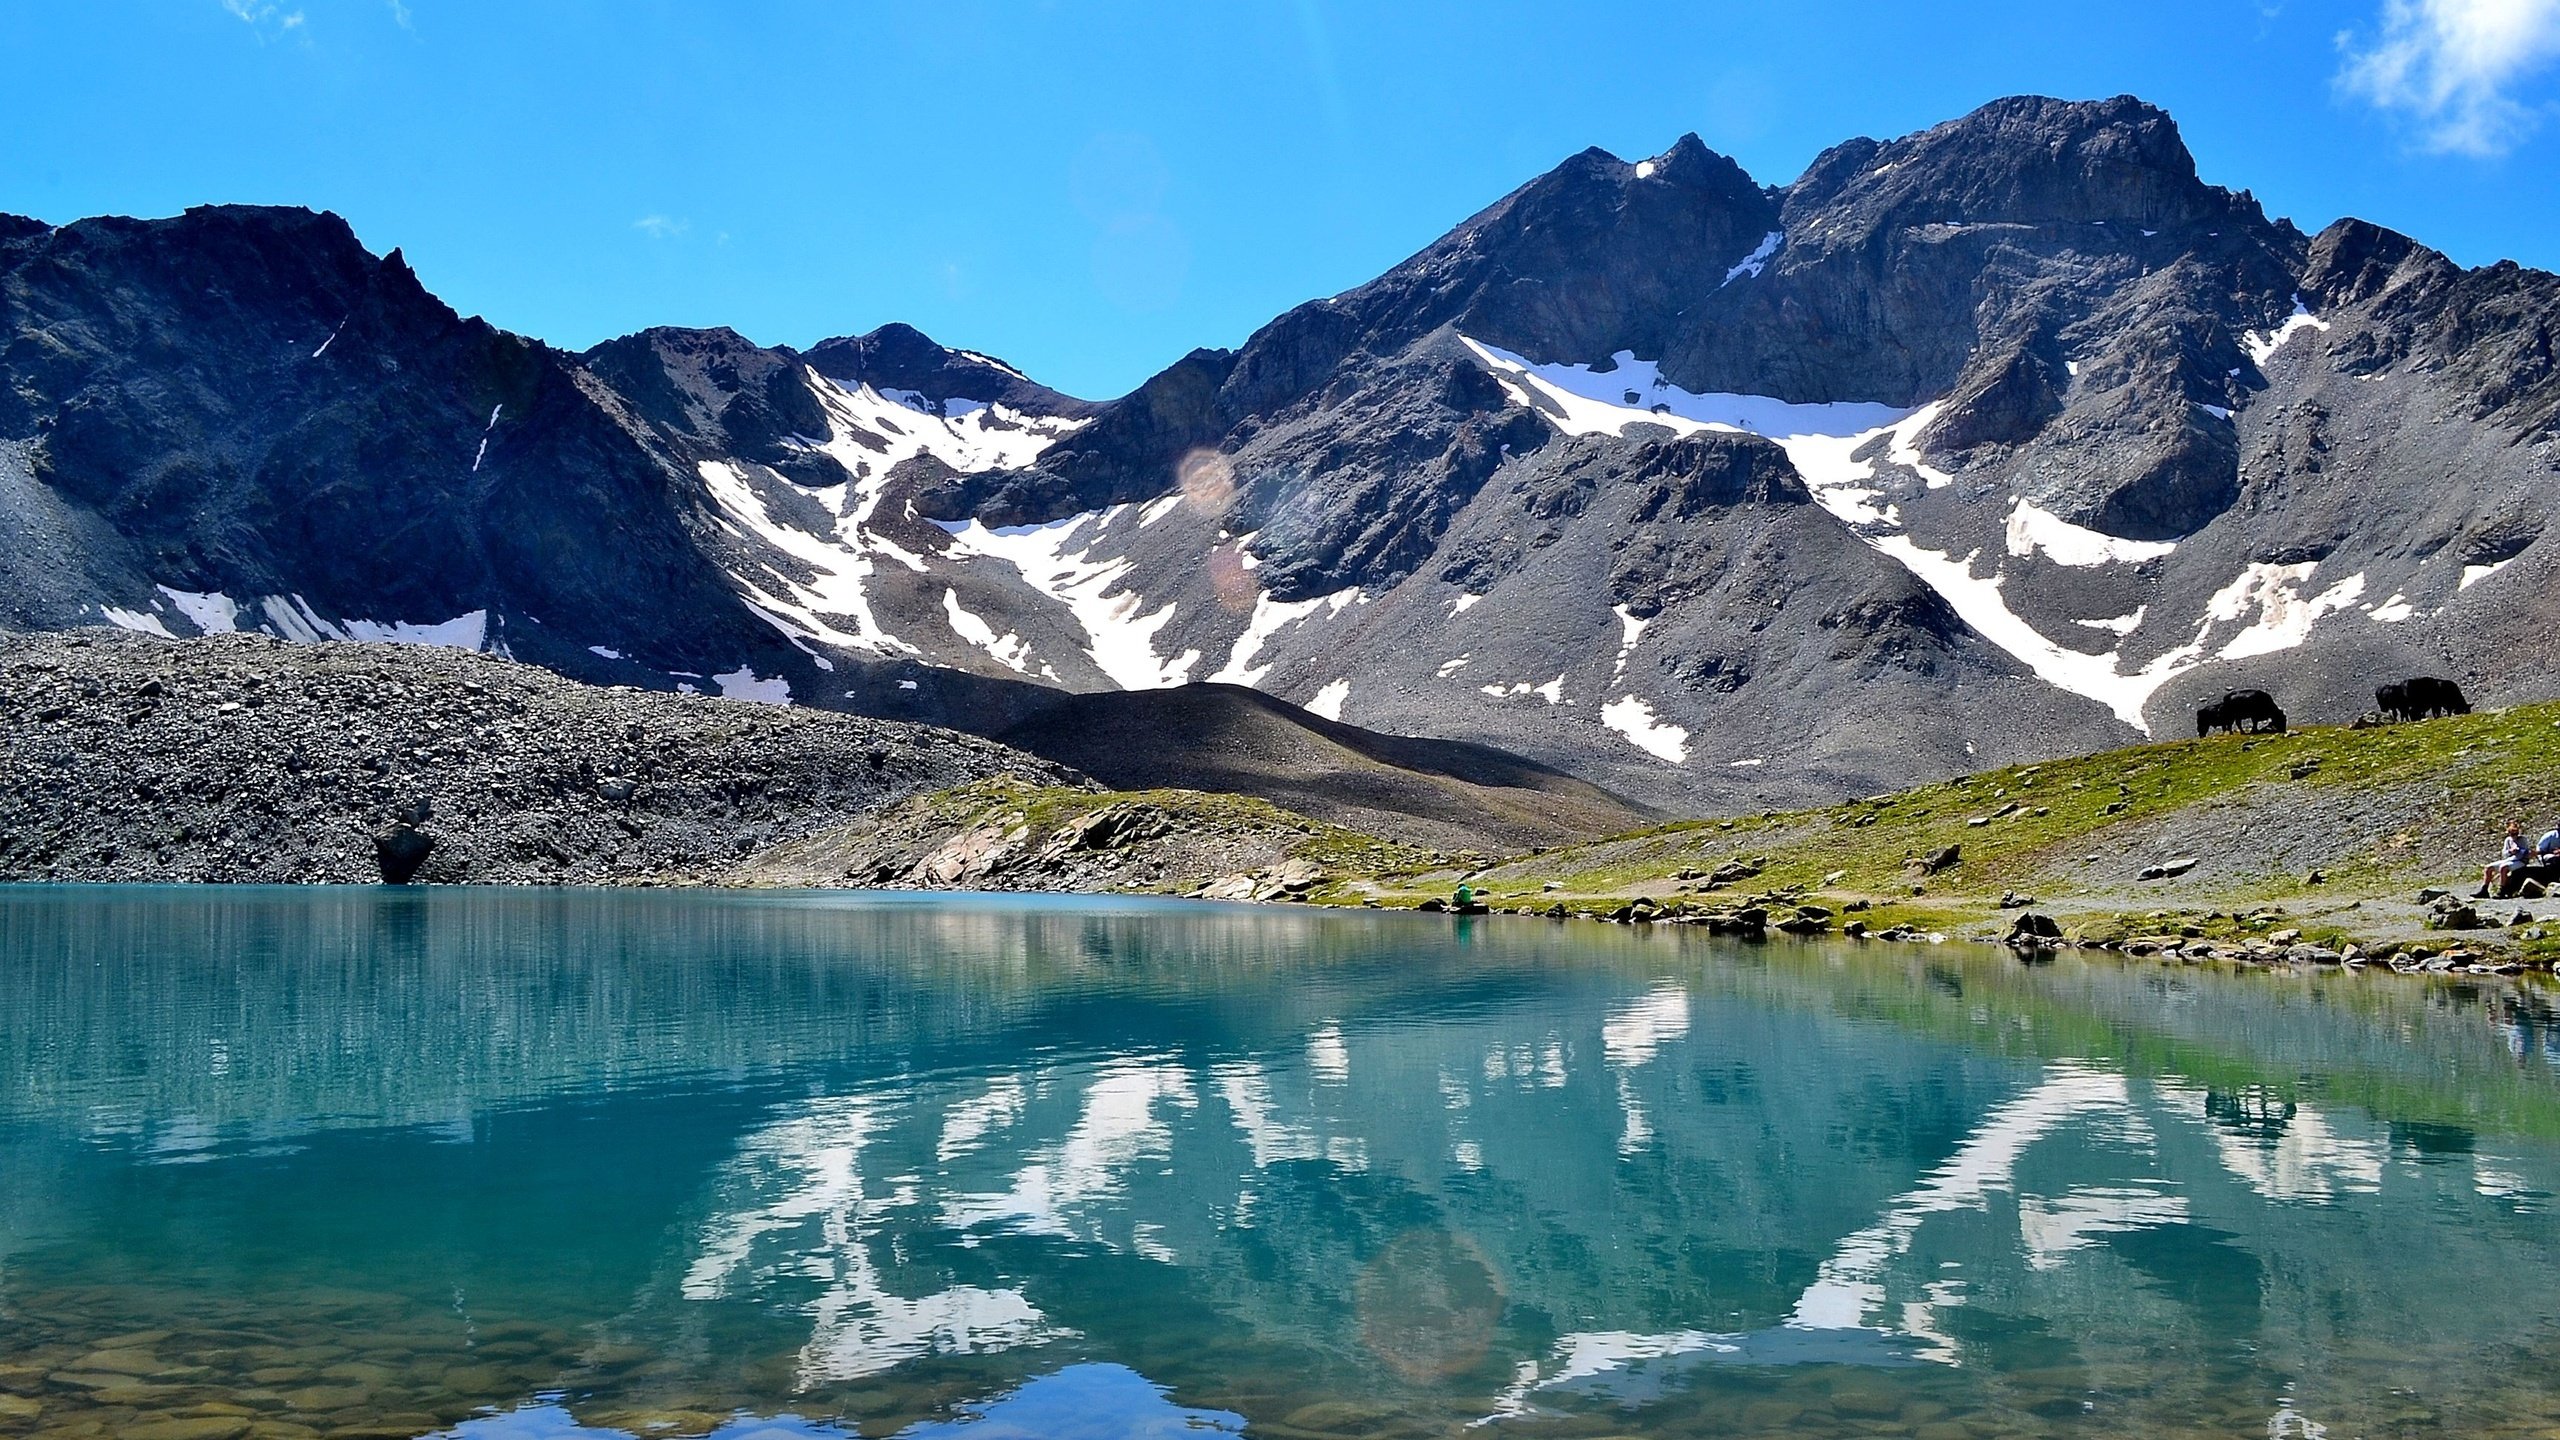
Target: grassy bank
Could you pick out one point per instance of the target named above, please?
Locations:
(2328, 833)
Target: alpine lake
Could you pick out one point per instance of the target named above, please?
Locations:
(486, 1163)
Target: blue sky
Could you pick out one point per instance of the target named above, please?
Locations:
(1090, 189)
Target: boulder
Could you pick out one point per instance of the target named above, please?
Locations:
(399, 850)
(2453, 915)
(1227, 887)
(1296, 876)
(2031, 928)
(1750, 923)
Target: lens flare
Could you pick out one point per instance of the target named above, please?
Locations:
(1208, 482)
(1233, 583)
(1428, 1304)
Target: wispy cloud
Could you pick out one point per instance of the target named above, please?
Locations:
(264, 13)
(2460, 69)
(661, 227)
(400, 13)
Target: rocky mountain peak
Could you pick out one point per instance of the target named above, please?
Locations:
(2354, 260)
(900, 357)
(2025, 160)
(715, 388)
(1689, 162)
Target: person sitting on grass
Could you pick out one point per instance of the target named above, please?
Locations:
(2513, 855)
(2546, 851)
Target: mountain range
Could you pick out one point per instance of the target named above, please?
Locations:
(2003, 440)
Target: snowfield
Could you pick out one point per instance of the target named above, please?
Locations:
(2261, 611)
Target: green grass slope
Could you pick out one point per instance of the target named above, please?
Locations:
(2332, 827)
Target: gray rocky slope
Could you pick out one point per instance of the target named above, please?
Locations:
(244, 758)
(2001, 440)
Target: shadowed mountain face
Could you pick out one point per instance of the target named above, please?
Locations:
(1229, 738)
(2008, 438)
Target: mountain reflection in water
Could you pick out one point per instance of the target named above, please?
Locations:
(563, 1163)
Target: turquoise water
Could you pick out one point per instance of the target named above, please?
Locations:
(495, 1164)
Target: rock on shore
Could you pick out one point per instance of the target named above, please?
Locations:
(242, 758)
(1011, 836)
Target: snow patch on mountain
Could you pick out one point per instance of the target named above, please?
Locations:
(1824, 442)
(1011, 650)
(967, 435)
(831, 606)
(1978, 602)
(2032, 529)
(463, 632)
(1822, 439)
(1056, 559)
(1584, 401)
(744, 684)
(1634, 718)
(2284, 617)
(482, 453)
(2267, 597)
(290, 617)
(991, 362)
(1328, 700)
(1630, 629)
(141, 622)
(1758, 260)
(870, 432)
(2263, 345)
(1269, 617)
(210, 611)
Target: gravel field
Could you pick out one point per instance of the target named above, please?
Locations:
(246, 759)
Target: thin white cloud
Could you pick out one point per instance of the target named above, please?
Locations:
(400, 13)
(2463, 70)
(264, 12)
(661, 227)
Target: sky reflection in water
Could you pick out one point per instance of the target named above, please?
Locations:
(1081, 1402)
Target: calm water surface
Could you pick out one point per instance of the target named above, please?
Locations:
(291, 1163)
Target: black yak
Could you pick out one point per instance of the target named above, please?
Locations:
(2420, 698)
(2246, 711)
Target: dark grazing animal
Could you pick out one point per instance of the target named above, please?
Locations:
(2241, 711)
(2420, 698)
